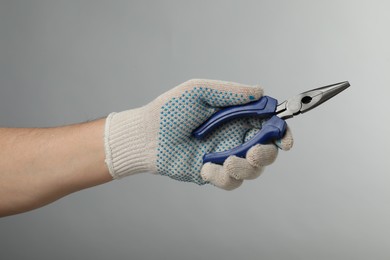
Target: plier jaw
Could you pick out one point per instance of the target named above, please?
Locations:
(308, 100)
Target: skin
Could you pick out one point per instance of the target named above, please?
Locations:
(41, 165)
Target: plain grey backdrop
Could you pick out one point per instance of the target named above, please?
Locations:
(70, 61)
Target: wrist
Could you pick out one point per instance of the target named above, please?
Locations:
(126, 143)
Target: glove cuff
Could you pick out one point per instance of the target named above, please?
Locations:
(125, 143)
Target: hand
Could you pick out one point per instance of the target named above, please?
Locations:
(158, 137)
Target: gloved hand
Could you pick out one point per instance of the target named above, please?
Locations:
(158, 137)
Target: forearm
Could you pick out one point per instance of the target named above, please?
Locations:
(40, 165)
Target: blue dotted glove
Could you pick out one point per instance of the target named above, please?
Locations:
(158, 137)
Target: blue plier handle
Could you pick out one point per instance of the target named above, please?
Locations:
(266, 107)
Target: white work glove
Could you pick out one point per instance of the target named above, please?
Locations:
(158, 137)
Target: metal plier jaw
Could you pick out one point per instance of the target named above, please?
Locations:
(308, 100)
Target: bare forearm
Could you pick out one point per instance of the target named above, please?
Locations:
(40, 165)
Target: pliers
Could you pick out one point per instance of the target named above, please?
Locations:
(264, 108)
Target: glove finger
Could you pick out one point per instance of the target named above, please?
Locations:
(287, 141)
(262, 155)
(216, 175)
(241, 169)
(256, 123)
(218, 93)
(250, 133)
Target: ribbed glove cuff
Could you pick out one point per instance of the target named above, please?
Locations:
(125, 144)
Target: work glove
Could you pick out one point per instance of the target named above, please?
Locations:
(158, 138)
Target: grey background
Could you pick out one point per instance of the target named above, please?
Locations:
(69, 61)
